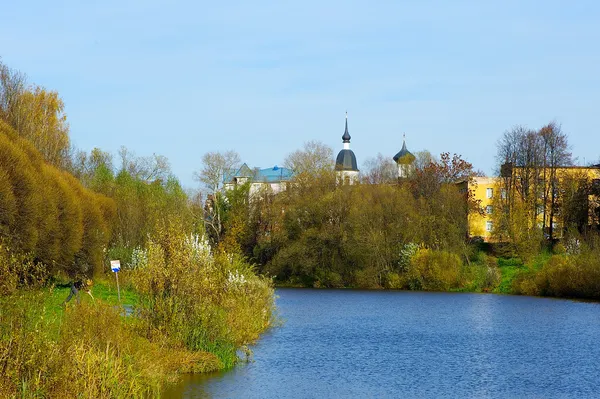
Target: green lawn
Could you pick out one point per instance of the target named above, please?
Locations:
(508, 269)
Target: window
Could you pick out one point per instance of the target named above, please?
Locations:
(503, 193)
(489, 225)
(489, 192)
(489, 209)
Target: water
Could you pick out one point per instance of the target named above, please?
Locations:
(343, 343)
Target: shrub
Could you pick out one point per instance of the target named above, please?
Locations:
(571, 276)
(19, 271)
(433, 270)
(205, 302)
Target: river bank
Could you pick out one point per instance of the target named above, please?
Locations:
(562, 274)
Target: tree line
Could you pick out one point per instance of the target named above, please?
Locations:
(72, 209)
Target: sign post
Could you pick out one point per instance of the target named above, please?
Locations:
(115, 266)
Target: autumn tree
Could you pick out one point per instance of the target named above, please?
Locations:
(448, 170)
(47, 212)
(36, 114)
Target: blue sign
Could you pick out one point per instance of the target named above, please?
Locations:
(115, 265)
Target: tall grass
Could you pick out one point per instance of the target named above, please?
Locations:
(87, 350)
(204, 301)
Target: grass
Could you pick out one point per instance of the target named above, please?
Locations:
(511, 268)
(508, 272)
(87, 349)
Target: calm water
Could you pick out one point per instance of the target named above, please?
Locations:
(341, 343)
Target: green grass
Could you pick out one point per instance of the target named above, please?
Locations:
(103, 290)
(509, 267)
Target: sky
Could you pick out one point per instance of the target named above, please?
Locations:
(182, 78)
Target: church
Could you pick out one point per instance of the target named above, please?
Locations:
(346, 166)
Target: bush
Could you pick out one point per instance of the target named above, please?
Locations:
(433, 271)
(205, 302)
(19, 271)
(571, 276)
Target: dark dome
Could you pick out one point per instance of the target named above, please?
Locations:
(404, 156)
(346, 160)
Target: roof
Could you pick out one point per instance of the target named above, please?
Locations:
(404, 156)
(268, 175)
(273, 175)
(346, 160)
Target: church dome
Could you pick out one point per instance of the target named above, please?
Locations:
(404, 156)
(346, 160)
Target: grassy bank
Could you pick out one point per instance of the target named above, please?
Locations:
(572, 273)
(193, 310)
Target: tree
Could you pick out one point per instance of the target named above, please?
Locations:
(148, 169)
(36, 114)
(215, 166)
(379, 170)
(520, 156)
(530, 161)
(448, 170)
(556, 154)
(311, 160)
(423, 159)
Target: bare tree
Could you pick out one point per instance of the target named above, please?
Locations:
(215, 165)
(556, 154)
(423, 159)
(313, 158)
(529, 161)
(379, 170)
(149, 169)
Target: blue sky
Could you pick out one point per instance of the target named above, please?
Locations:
(182, 78)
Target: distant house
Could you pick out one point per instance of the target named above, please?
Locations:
(274, 179)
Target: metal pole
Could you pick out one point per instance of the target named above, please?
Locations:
(118, 289)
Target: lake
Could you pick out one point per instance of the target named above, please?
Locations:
(351, 343)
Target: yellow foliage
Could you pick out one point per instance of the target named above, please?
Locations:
(47, 211)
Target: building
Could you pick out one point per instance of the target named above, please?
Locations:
(405, 161)
(484, 190)
(516, 182)
(274, 179)
(345, 163)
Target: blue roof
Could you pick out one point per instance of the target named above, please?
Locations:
(273, 175)
(268, 175)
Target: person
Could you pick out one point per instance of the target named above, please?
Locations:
(77, 286)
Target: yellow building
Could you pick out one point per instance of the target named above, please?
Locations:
(485, 190)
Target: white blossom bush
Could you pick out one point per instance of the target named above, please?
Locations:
(139, 258)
